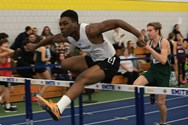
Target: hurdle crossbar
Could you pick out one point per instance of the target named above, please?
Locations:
(102, 86)
(139, 94)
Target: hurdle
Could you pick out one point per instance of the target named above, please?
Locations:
(139, 95)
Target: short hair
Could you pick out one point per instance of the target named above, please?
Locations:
(156, 25)
(2, 41)
(71, 14)
(27, 28)
(3, 36)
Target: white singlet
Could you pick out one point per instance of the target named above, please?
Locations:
(97, 52)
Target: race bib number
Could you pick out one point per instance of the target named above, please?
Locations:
(111, 60)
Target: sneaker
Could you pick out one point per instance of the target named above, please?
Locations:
(152, 99)
(50, 107)
(11, 105)
(11, 109)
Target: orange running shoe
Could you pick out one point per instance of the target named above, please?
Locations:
(50, 107)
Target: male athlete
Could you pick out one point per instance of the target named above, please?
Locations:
(100, 63)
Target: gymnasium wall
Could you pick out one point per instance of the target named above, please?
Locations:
(16, 14)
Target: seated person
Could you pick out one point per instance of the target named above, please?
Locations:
(23, 60)
(131, 48)
(126, 67)
(58, 55)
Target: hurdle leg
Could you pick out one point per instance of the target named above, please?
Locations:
(81, 109)
(139, 100)
(72, 111)
(137, 105)
(142, 107)
(28, 104)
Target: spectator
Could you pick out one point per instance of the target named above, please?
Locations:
(5, 62)
(180, 46)
(21, 38)
(58, 72)
(31, 38)
(41, 58)
(3, 36)
(143, 31)
(131, 47)
(171, 38)
(117, 38)
(176, 30)
(35, 31)
(46, 32)
(23, 60)
(126, 67)
(186, 39)
(57, 56)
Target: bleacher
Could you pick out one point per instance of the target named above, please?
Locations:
(18, 91)
(144, 66)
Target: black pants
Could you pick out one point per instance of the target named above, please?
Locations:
(132, 76)
(115, 45)
(181, 69)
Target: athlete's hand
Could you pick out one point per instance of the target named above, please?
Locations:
(141, 42)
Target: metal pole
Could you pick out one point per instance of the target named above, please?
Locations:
(81, 109)
(72, 110)
(142, 109)
(29, 115)
(137, 106)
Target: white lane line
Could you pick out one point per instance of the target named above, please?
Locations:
(130, 116)
(177, 120)
(68, 116)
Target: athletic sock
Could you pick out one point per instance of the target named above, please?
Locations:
(63, 103)
(1, 98)
(7, 105)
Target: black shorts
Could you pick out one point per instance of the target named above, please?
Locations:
(6, 84)
(40, 70)
(110, 66)
(172, 60)
(26, 73)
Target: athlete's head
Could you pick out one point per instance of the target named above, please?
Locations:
(68, 22)
(71, 14)
(154, 29)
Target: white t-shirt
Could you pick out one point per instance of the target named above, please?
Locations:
(128, 64)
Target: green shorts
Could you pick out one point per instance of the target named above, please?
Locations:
(155, 78)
